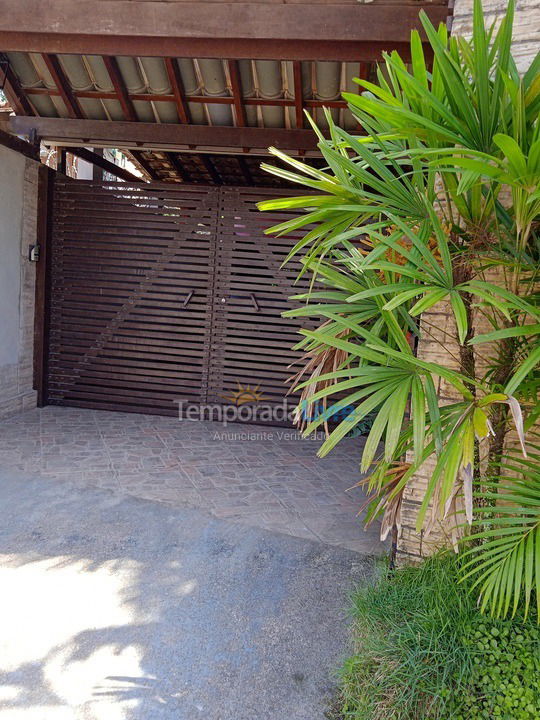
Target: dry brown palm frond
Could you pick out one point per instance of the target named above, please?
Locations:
(393, 255)
(386, 499)
(317, 362)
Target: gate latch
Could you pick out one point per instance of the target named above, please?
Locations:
(33, 253)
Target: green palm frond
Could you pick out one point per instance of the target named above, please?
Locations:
(414, 216)
(505, 561)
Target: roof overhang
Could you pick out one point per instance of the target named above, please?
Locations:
(199, 69)
(158, 136)
(210, 29)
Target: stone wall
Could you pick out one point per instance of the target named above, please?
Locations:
(18, 229)
(438, 340)
(526, 39)
(438, 343)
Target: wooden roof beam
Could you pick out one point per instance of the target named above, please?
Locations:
(247, 49)
(128, 109)
(246, 172)
(201, 99)
(63, 85)
(298, 93)
(330, 21)
(211, 170)
(120, 89)
(21, 146)
(236, 87)
(110, 167)
(14, 93)
(139, 158)
(178, 166)
(103, 133)
(363, 72)
(177, 86)
(61, 160)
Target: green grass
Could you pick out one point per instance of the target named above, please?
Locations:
(423, 652)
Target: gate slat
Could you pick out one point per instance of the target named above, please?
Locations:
(166, 293)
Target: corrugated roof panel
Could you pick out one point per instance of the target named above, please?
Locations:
(98, 73)
(155, 75)
(28, 77)
(24, 69)
(192, 86)
(326, 84)
(129, 69)
(289, 91)
(101, 82)
(215, 84)
(94, 109)
(270, 80)
(248, 90)
(157, 83)
(79, 74)
(47, 81)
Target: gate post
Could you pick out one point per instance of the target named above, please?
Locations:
(42, 301)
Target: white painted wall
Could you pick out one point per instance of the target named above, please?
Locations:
(12, 166)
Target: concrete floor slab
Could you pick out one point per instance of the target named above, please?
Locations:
(117, 608)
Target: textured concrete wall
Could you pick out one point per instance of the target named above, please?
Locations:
(18, 227)
(438, 340)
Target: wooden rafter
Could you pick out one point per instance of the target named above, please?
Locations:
(63, 85)
(298, 94)
(236, 87)
(102, 133)
(246, 172)
(128, 109)
(97, 172)
(143, 163)
(178, 166)
(205, 99)
(177, 86)
(99, 161)
(363, 72)
(20, 146)
(61, 160)
(211, 169)
(119, 85)
(12, 88)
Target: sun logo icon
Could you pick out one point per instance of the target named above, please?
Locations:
(245, 394)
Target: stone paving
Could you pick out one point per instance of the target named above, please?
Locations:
(261, 476)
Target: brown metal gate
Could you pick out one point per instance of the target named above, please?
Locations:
(162, 293)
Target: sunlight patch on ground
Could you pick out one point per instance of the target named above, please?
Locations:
(56, 616)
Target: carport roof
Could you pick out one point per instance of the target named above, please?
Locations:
(200, 91)
(212, 76)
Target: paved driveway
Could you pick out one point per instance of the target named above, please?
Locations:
(266, 477)
(118, 608)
